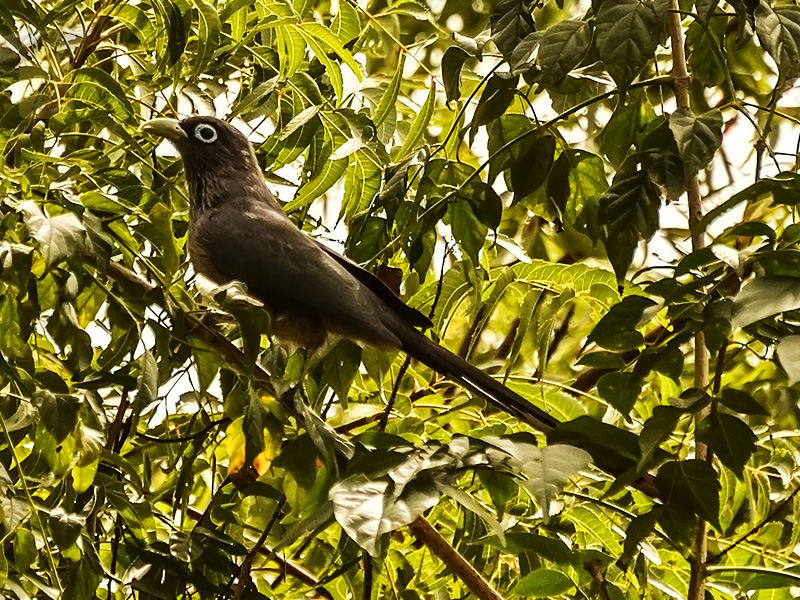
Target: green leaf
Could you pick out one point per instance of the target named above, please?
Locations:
(184, 547)
(65, 527)
(510, 137)
(552, 549)
(617, 330)
(452, 62)
(24, 549)
(779, 33)
(468, 231)
(485, 202)
(543, 583)
(510, 22)
(389, 98)
(620, 390)
(741, 402)
(655, 430)
(137, 21)
(619, 135)
(208, 33)
(147, 383)
(177, 31)
(97, 88)
(59, 237)
(587, 184)
(530, 170)
(666, 170)
(58, 413)
(788, 351)
(693, 482)
(291, 49)
(703, 44)
(698, 137)
(314, 31)
(765, 297)
(346, 24)
(339, 368)
(496, 97)
(418, 127)
(361, 184)
(544, 471)
(409, 8)
(730, 439)
(637, 531)
(602, 360)
(705, 8)
(368, 509)
(253, 427)
(627, 36)
(562, 48)
(628, 212)
(300, 119)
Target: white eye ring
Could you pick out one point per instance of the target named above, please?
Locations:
(205, 133)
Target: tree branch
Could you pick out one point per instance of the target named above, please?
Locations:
(681, 83)
(459, 565)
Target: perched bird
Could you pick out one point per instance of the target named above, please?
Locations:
(237, 231)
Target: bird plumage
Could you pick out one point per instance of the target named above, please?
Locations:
(238, 231)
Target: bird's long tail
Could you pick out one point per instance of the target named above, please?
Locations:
(443, 361)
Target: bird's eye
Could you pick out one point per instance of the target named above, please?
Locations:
(205, 133)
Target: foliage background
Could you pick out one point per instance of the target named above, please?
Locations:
(512, 161)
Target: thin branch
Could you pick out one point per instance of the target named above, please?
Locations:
(185, 438)
(247, 563)
(756, 528)
(600, 581)
(460, 566)
(681, 82)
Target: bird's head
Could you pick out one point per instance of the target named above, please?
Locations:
(217, 157)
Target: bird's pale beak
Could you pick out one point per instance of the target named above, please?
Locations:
(166, 128)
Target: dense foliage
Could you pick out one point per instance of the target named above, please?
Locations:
(523, 168)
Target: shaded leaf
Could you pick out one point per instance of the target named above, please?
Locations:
(765, 297)
(59, 237)
(628, 212)
(730, 439)
(694, 482)
(627, 36)
(698, 137)
(452, 63)
(544, 583)
(562, 48)
(779, 33)
(510, 22)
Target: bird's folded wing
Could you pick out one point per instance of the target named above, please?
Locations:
(411, 315)
(283, 267)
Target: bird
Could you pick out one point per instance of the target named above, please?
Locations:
(239, 232)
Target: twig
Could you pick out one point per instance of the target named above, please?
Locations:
(185, 438)
(459, 565)
(756, 528)
(247, 563)
(395, 389)
(599, 579)
(369, 568)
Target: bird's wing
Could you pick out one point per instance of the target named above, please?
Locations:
(411, 315)
(283, 267)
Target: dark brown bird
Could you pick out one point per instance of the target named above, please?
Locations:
(238, 231)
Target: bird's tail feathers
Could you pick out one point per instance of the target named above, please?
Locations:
(440, 359)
